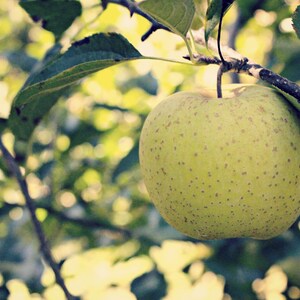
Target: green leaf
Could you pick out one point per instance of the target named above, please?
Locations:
(177, 15)
(290, 98)
(49, 82)
(20, 60)
(3, 124)
(49, 13)
(215, 11)
(296, 21)
(127, 162)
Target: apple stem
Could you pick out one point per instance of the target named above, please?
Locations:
(219, 82)
(224, 65)
(134, 9)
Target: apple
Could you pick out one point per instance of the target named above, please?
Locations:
(224, 168)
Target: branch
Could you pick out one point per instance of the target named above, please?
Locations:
(89, 223)
(134, 9)
(235, 62)
(14, 168)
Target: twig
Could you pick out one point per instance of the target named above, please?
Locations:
(134, 9)
(14, 168)
(235, 62)
(90, 223)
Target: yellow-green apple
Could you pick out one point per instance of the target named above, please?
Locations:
(223, 168)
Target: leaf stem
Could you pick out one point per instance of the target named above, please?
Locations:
(219, 34)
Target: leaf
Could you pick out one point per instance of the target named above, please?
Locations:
(290, 98)
(177, 15)
(296, 21)
(20, 60)
(127, 162)
(49, 13)
(3, 124)
(291, 68)
(149, 286)
(51, 80)
(215, 12)
(24, 119)
(147, 82)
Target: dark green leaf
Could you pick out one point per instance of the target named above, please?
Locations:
(49, 82)
(3, 124)
(296, 21)
(147, 82)
(49, 13)
(24, 118)
(104, 3)
(291, 69)
(20, 60)
(84, 133)
(149, 286)
(177, 15)
(45, 169)
(215, 12)
(127, 162)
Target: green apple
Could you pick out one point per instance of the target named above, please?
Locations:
(223, 168)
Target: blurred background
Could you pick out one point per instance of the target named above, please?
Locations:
(84, 176)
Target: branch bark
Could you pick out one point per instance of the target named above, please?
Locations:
(45, 249)
(235, 62)
(133, 8)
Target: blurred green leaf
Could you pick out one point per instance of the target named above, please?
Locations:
(291, 266)
(149, 286)
(20, 60)
(49, 13)
(3, 124)
(296, 21)
(48, 83)
(147, 82)
(45, 169)
(215, 11)
(83, 133)
(127, 162)
(177, 15)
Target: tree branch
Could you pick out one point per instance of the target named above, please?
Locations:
(134, 9)
(89, 223)
(45, 249)
(235, 62)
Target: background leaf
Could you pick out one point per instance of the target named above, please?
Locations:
(177, 15)
(49, 13)
(3, 124)
(215, 11)
(296, 21)
(47, 84)
(20, 60)
(127, 162)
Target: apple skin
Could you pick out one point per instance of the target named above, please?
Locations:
(224, 168)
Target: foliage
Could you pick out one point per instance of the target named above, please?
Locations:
(75, 133)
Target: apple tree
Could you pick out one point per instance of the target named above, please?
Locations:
(78, 80)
